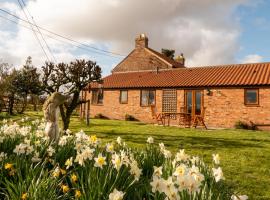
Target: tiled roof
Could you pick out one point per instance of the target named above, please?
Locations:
(169, 60)
(257, 74)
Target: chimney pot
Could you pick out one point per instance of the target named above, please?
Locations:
(180, 59)
(141, 41)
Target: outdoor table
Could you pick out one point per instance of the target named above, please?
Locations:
(168, 115)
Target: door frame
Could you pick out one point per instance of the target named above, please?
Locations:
(193, 108)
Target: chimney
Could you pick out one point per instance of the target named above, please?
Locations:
(180, 59)
(141, 41)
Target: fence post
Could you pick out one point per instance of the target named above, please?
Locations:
(88, 113)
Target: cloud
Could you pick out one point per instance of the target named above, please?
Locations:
(252, 58)
(205, 31)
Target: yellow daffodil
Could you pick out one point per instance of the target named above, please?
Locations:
(93, 139)
(65, 188)
(24, 196)
(63, 172)
(110, 148)
(8, 166)
(74, 178)
(100, 161)
(69, 162)
(78, 194)
(56, 172)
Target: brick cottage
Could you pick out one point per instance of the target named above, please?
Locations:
(227, 93)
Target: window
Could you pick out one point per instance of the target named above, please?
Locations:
(123, 96)
(147, 97)
(252, 97)
(97, 97)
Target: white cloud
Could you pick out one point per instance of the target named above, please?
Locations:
(252, 58)
(205, 31)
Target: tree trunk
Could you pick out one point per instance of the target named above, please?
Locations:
(34, 101)
(10, 104)
(68, 110)
(24, 105)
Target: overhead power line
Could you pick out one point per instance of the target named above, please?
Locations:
(46, 44)
(57, 38)
(35, 34)
(64, 37)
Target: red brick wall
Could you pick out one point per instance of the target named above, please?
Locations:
(226, 106)
(223, 108)
(140, 59)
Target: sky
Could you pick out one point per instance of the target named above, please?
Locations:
(208, 32)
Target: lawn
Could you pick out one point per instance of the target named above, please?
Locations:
(244, 154)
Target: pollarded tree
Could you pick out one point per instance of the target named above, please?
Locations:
(71, 79)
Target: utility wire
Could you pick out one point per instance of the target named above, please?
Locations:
(49, 49)
(64, 37)
(57, 39)
(34, 32)
(71, 41)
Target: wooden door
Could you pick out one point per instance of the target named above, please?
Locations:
(194, 102)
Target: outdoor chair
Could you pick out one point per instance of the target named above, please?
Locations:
(159, 117)
(184, 118)
(199, 119)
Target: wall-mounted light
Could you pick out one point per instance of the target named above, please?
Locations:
(208, 92)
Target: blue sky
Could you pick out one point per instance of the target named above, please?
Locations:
(255, 25)
(215, 32)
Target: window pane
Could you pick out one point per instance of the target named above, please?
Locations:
(251, 96)
(198, 102)
(144, 97)
(151, 97)
(189, 102)
(123, 96)
(94, 96)
(100, 97)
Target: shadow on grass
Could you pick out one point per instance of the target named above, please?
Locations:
(183, 141)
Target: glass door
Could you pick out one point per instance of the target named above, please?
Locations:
(194, 102)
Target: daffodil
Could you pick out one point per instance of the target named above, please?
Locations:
(119, 140)
(74, 178)
(216, 159)
(78, 194)
(218, 174)
(69, 162)
(116, 195)
(93, 139)
(150, 140)
(180, 170)
(56, 172)
(117, 162)
(65, 188)
(239, 197)
(63, 172)
(110, 148)
(8, 166)
(100, 161)
(158, 171)
(2, 156)
(24, 196)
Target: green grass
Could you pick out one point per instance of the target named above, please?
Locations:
(245, 155)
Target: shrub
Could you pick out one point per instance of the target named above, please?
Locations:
(243, 125)
(130, 118)
(82, 167)
(100, 116)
